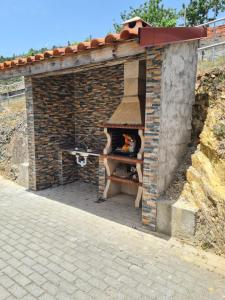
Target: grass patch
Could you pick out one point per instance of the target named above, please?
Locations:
(207, 65)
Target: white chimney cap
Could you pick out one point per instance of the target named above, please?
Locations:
(135, 19)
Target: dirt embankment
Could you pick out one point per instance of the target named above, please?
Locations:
(13, 140)
(205, 185)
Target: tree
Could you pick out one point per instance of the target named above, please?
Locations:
(153, 12)
(198, 11)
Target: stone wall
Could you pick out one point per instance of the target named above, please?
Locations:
(66, 111)
(98, 92)
(152, 127)
(51, 109)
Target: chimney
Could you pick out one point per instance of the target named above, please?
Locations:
(135, 23)
(131, 109)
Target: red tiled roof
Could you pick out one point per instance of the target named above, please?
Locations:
(126, 34)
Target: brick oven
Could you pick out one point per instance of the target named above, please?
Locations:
(113, 111)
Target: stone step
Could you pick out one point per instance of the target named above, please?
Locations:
(176, 218)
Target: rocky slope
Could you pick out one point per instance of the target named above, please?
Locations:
(205, 178)
(13, 140)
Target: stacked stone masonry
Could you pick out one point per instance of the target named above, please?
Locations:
(152, 127)
(63, 112)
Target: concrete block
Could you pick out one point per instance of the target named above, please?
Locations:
(164, 216)
(131, 86)
(131, 69)
(183, 223)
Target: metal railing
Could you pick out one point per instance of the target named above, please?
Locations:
(211, 22)
(215, 46)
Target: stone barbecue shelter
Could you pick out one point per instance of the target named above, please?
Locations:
(114, 111)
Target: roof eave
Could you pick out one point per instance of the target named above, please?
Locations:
(157, 36)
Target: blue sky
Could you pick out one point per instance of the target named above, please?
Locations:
(44, 23)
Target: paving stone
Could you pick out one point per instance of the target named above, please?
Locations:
(97, 283)
(46, 297)
(34, 289)
(3, 293)
(37, 278)
(3, 264)
(69, 267)
(82, 275)
(25, 270)
(11, 297)
(39, 268)
(4, 255)
(28, 261)
(6, 281)
(17, 291)
(52, 277)
(128, 281)
(31, 253)
(28, 297)
(41, 260)
(67, 275)
(50, 288)
(113, 282)
(70, 288)
(54, 267)
(10, 271)
(9, 249)
(18, 254)
(21, 279)
(82, 285)
(69, 254)
(80, 295)
(97, 294)
(14, 262)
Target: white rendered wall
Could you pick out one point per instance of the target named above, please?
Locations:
(177, 97)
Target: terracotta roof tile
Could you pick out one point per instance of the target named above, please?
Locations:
(7, 64)
(48, 53)
(22, 60)
(83, 46)
(93, 44)
(71, 49)
(39, 56)
(97, 42)
(128, 34)
(30, 59)
(111, 38)
(58, 51)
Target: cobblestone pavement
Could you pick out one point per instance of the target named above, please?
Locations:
(52, 250)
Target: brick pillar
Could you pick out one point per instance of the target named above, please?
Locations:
(30, 131)
(152, 132)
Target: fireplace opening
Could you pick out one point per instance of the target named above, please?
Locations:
(125, 142)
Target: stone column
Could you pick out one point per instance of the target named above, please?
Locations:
(30, 131)
(152, 133)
